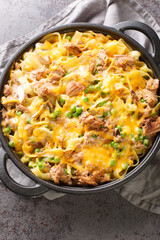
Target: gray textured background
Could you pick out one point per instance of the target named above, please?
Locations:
(105, 216)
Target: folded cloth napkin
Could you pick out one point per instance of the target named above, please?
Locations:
(143, 191)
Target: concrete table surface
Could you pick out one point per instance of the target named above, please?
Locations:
(96, 217)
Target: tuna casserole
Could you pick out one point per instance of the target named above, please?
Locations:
(80, 108)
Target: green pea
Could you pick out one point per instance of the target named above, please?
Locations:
(73, 108)
(11, 144)
(123, 135)
(79, 110)
(66, 74)
(95, 72)
(119, 127)
(94, 136)
(69, 114)
(142, 100)
(71, 56)
(29, 121)
(153, 114)
(86, 99)
(103, 94)
(112, 143)
(140, 130)
(145, 137)
(105, 114)
(18, 113)
(136, 116)
(62, 101)
(7, 130)
(98, 87)
(96, 81)
(38, 160)
(132, 135)
(72, 170)
(113, 111)
(56, 159)
(118, 151)
(146, 77)
(79, 136)
(101, 117)
(37, 150)
(116, 145)
(55, 114)
(32, 139)
(125, 165)
(100, 104)
(24, 159)
(113, 163)
(51, 160)
(91, 88)
(123, 148)
(75, 114)
(146, 142)
(68, 37)
(86, 90)
(109, 103)
(47, 126)
(41, 166)
(141, 137)
(32, 164)
(65, 170)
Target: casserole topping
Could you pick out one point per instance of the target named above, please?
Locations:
(80, 108)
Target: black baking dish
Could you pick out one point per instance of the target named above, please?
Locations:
(42, 186)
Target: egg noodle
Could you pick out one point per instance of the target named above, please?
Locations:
(74, 107)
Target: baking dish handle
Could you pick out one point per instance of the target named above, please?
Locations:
(148, 31)
(35, 190)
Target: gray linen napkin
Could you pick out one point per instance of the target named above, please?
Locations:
(143, 191)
